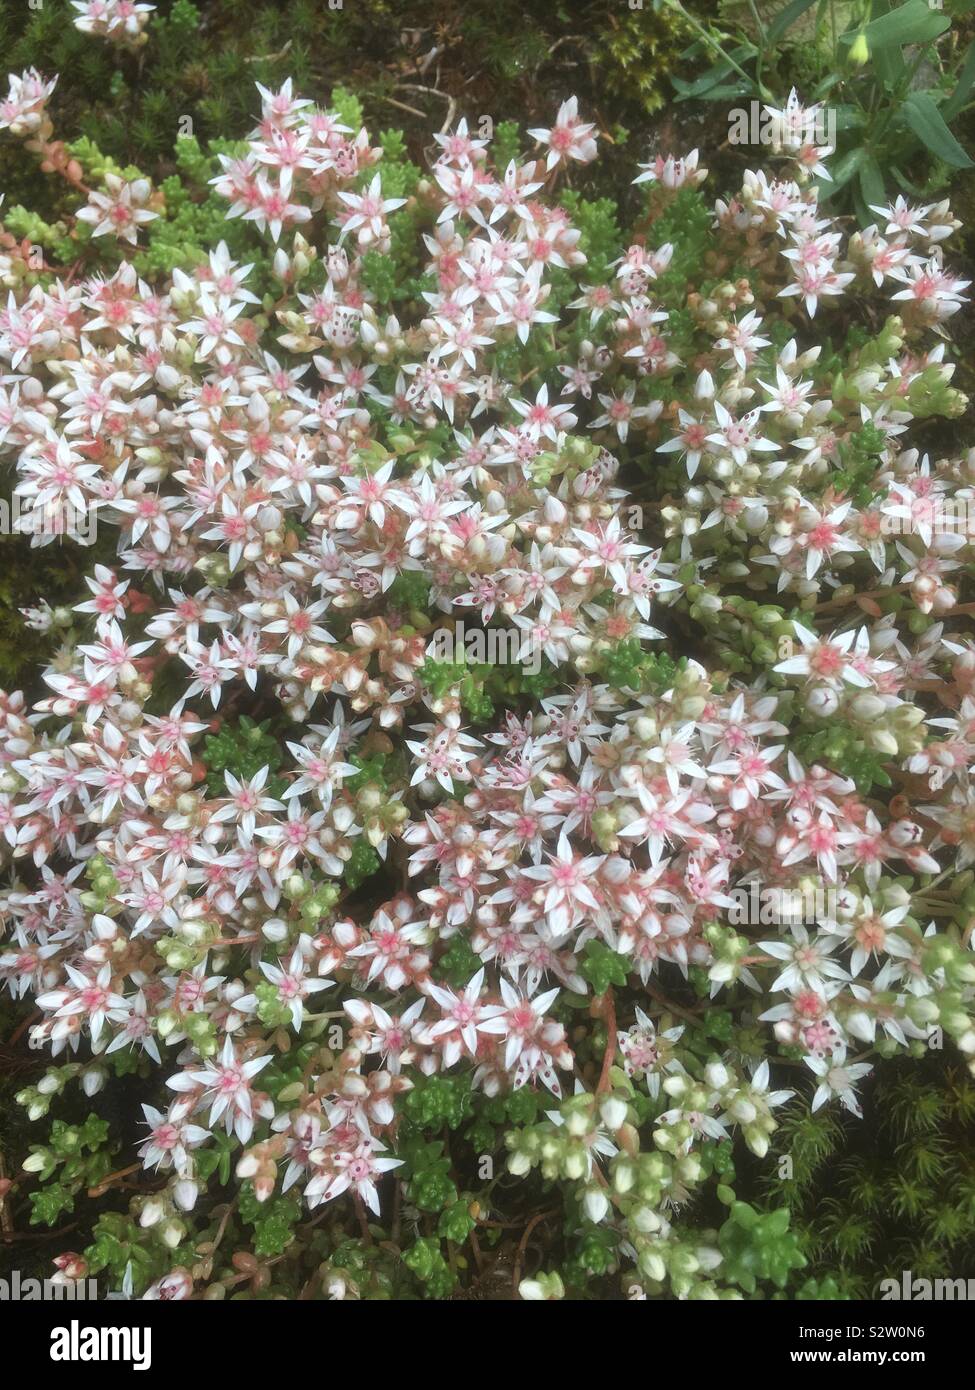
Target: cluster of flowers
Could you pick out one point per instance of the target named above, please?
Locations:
(23, 110)
(736, 419)
(283, 475)
(122, 22)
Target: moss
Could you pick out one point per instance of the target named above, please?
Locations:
(894, 1191)
(197, 70)
(54, 572)
(635, 53)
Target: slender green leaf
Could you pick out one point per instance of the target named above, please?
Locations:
(887, 60)
(848, 117)
(718, 73)
(827, 85)
(914, 22)
(731, 91)
(904, 183)
(864, 215)
(785, 19)
(927, 123)
(714, 75)
(871, 184)
(844, 169)
(966, 79)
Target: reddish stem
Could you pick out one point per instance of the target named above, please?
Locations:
(609, 1015)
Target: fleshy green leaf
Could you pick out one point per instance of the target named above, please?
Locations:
(927, 123)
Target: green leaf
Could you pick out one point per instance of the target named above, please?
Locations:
(871, 182)
(827, 85)
(718, 73)
(849, 117)
(963, 86)
(49, 1203)
(715, 74)
(785, 19)
(844, 169)
(728, 92)
(914, 22)
(603, 967)
(927, 123)
(905, 184)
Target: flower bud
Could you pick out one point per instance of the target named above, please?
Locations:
(152, 1213)
(92, 1080)
(652, 1265)
(822, 700)
(859, 50)
(172, 1233)
(613, 1112)
(596, 1204)
(867, 706)
(624, 1175)
(717, 1075)
(185, 1193)
(574, 1164)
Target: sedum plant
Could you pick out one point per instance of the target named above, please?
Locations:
(484, 603)
(892, 77)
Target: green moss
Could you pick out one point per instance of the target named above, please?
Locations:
(895, 1191)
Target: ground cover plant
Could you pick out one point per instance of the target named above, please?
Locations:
(486, 594)
(893, 80)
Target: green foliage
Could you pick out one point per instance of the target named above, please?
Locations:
(600, 237)
(438, 1100)
(860, 454)
(759, 1246)
(603, 967)
(120, 1247)
(410, 591)
(458, 963)
(78, 1154)
(840, 746)
(49, 1203)
(273, 1221)
(364, 862)
(428, 1264)
(242, 748)
(897, 1192)
(482, 686)
(893, 86)
(634, 53)
(627, 665)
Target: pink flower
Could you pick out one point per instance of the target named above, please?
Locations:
(567, 896)
(569, 138)
(119, 212)
(226, 1087)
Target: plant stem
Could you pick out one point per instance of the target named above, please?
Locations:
(609, 1051)
(716, 47)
